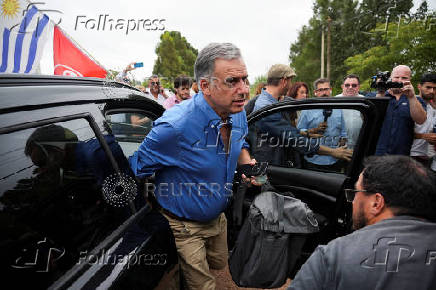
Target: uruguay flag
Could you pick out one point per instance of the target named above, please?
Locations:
(23, 31)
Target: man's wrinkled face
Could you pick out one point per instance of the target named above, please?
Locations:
(359, 206)
(227, 88)
(427, 90)
(323, 90)
(182, 92)
(154, 85)
(350, 87)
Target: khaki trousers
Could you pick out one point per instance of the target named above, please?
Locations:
(201, 246)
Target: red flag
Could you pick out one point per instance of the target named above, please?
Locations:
(69, 60)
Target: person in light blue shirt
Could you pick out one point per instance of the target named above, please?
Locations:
(193, 150)
(334, 134)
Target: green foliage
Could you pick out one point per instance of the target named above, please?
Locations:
(175, 56)
(412, 44)
(353, 32)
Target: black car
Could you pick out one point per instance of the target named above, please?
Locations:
(73, 215)
(71, 212)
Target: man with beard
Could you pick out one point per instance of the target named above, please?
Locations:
(404, 110)
(424, 135)
(182, 85)
(393, 245)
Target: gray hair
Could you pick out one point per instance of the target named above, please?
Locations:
(205, 63)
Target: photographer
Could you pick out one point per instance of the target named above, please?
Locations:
(404, 110)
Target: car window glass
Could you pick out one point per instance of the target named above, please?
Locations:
(59, 198)
(290, 138)
(129, 129)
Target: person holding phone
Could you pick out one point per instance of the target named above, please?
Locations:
(156, 90)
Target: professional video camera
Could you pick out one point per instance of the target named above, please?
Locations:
(382, 82)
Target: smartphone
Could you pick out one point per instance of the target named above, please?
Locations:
(138, 64)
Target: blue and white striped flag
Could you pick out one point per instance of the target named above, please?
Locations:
(23, 33)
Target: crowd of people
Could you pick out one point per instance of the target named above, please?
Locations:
(409, 127)
(393, 199)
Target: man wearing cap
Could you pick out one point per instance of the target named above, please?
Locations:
(277, 127)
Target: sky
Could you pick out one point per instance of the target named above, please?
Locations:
(263, 30)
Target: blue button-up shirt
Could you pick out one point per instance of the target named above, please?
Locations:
(275, 135)
(336, 129)
(397, 133)
(194, 174)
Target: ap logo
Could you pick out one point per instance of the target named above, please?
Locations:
(388, 254)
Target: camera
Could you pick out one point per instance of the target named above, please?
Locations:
(382, 82)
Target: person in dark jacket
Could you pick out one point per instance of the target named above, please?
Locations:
(393, 246)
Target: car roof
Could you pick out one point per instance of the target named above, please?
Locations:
(18, 91)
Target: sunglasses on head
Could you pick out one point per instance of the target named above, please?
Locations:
(350, 85)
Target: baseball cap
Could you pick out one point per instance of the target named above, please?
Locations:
(279, 71)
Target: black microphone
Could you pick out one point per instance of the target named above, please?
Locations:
(327, 113)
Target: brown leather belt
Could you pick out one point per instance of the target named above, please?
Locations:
(171, 215)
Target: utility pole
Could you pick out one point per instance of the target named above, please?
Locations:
(322, 51)
(329, 20)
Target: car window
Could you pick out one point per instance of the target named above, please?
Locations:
(129, 129)
(59, 199)
(290, 138)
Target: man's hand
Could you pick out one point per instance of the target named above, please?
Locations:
(250, 180)
(430, 138)
(318, 130)
(408, 90)
(342, 153)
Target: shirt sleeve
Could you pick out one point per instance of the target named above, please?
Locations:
(343, 126)
(302, 121)
(313, 274)
(160, 148)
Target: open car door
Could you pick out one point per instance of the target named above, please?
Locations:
(293, 167)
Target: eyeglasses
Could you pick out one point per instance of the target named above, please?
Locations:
(351, 193)
(323, 90)
(232, 82)
(155, 83)
(351, 85)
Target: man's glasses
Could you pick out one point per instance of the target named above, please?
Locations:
(155, 83)
(233, 82)
(322, 90)
(351, 193)
(351, 85)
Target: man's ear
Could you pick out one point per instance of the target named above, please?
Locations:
(419, 87)
(377, 204)
(205, 87)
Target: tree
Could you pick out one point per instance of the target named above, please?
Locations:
(175, 56)
(411, 44)
(352, 32)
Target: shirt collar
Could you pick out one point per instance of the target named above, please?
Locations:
(269, 96)
(209, 112)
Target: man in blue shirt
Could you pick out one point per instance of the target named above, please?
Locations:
(404, 110)
(193, 150)
(277, 127)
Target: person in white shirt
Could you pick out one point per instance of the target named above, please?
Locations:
(156, 90)
(425, 139)
(353, 118)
